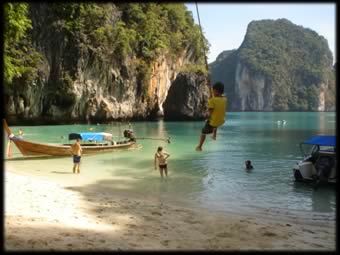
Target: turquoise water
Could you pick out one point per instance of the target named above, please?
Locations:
(213, 179)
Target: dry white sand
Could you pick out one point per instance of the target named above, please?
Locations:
(43, 215)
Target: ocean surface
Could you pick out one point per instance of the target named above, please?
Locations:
(213, 179)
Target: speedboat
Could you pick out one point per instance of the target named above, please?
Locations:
(319, 164)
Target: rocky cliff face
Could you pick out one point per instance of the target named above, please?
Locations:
(252, 90)
(187, 98)
(75, 84)
(278, 67)
(115, 96)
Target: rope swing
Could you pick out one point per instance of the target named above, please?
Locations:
(205, 56)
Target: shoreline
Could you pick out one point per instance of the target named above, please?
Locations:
(71, 180)
(43, 215)
(16, 121)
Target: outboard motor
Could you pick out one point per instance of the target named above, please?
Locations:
(324, 167)
(128, 133)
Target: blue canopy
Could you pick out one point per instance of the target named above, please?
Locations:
(321, 140)
(91, 136)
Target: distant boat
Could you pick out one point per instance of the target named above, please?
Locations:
(95, 143)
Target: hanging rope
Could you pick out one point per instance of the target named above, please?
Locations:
(205, 56)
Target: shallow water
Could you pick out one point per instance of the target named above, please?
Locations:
(214, 178)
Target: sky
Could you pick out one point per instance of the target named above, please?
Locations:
(225, 24)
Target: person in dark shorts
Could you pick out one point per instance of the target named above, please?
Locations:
(217, 108)
(76, 152)
(207, 129)
(161, 157)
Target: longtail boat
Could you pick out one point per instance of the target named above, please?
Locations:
(94, 143)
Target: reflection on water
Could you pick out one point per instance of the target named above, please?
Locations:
(214, 178)
(323, 199)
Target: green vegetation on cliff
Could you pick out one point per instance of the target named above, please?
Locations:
(20, 59)
(159, 27)
(295, 60)
(293, 57)
(155, 29)
(108, 32)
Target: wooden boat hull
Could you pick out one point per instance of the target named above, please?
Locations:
(29, 148)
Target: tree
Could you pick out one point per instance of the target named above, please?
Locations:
(15, 27)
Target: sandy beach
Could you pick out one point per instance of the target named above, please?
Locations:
(44, 215)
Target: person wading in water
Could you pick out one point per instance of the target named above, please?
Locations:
(161, 156)
(76, 152)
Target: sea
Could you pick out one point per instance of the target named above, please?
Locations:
(213, 179)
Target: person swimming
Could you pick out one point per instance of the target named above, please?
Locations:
(248, 165)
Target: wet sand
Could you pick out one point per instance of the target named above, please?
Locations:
(43, 215)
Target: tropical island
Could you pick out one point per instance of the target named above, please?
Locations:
(102, 62)
(97, 62)
(84, 71)
(278, 67)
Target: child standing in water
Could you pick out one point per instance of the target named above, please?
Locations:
(161, 156)
(76, 152)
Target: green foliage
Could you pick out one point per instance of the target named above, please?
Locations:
(160, 28)
(194, 68)
(280, 102)
(152, 29)
(296, 60)
(106, 33)
(143, 76)
(29, 62)
(313, 97)
(124, 40)
(15, 27)
(330, 94)
(64, 95)
(283, 51)
(142, 30)
(16, 22)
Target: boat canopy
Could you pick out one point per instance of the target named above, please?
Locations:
(91, 136)
(322, 140)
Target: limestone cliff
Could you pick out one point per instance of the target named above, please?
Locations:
(278, 67)
(86, 75)
(253, 90)
(187, 98)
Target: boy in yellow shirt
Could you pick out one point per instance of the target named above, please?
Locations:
(217, 105)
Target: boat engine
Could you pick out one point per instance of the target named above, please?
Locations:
(128, 133)
(324, 167)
